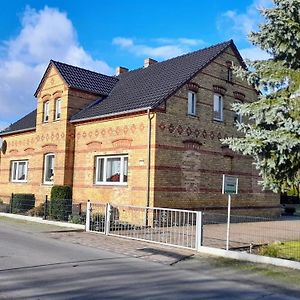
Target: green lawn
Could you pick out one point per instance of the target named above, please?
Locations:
(288, 250)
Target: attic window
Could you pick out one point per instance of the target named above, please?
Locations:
(192, 99)
(229, 65)
(46, 111)
(57, 109)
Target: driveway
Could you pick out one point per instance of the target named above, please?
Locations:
(37, 262)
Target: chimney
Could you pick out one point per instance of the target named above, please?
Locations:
(149, 61)
(121, 70)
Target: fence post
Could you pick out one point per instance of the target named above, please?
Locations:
(11, 203)
(107, 218)
(199, 230)
(45, 208)
(88, 216)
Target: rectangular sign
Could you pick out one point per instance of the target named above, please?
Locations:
(230, 184)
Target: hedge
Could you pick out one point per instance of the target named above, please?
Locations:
(61, 202)
(21, 203)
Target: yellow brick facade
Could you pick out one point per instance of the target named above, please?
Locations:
(186, 156)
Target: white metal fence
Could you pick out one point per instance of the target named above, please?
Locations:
(181, 228)
(193, 229)
(96, 216)
(248, 232)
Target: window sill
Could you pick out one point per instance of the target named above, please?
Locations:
(48, 183)
(125, 184)
(192, 116)
(19, 181)
(218, 121)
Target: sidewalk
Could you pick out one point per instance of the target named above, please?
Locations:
(148, 251)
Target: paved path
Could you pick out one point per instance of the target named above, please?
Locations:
(35, 266)
(257, 232)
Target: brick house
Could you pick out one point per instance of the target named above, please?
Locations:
(150, 136)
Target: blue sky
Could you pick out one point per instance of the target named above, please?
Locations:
(101, 35)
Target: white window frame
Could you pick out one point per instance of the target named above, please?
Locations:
(46, 111)
(105, 158)
(46, 168)
(192, 101)
(218, 99)
(15, 165)
(57, 115)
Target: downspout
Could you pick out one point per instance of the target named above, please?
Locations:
(148, 165)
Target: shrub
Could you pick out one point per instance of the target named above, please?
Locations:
(4, 207)
(61, 202)
(37, 211)
(21, 203)
(271, 250)
(59, 192)
(77, 219)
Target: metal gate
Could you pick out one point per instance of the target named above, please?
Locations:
(175, 227)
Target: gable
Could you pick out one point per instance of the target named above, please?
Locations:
(81, 79)
(51, 79)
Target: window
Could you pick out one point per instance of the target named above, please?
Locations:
(237, 116)
(218, 107)
(46, 111)
(192, 103)
(229, 74)
(19, 171)
(111, 169)
(49, 168)
(57, 109)
(229, 71)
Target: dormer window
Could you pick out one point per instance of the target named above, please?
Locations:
(57, 109)
(46, 112)
(192, 99)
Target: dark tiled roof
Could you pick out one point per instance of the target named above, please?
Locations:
(148, 87)
(138, 89)
(27, 122)
(83, 79)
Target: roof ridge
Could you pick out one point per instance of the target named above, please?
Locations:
(81, 68)
(193, 52)
(228, 42)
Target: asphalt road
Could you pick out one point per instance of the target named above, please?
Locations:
(34, 266)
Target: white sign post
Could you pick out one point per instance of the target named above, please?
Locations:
(229, 186)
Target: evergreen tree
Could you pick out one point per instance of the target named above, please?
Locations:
(272, 135)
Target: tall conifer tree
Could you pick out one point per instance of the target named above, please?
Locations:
(272, 134)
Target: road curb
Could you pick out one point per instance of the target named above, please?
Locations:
(40, 220)
(251, 257)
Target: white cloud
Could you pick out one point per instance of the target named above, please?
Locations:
(46, 34)
(163, 48)
(239, 24)
(254, 53)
